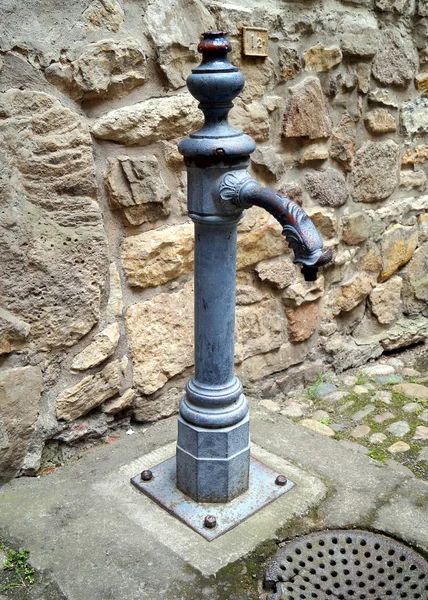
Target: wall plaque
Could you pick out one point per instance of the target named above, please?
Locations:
(255, 41)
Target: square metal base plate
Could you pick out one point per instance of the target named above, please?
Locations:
(262, 491)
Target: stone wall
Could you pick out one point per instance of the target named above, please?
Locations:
(96, 247)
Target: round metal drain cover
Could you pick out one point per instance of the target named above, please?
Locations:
(347, 565)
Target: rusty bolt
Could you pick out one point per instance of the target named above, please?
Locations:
(210, 521)
(146, 475)
(281, 480)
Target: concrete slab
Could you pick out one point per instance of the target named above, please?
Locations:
(210, 557)
(100, 538)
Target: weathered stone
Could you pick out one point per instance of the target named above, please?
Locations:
(104, 14)
(325, 222)
(385, 300)
(53, 244)
(104, 69)
(359, 37)
(164, 405)
(115, 301)
(356, 228)
(399, 447)
(412, 179)
(303, 291)
(292, 190)
(385, 416)
(327, 187)
(396, 62)
(399, 428)
(164, 349)
(361, 390)
(20, 391)
(360, 431)
(377, 438)
(155, 119)
(413, 391)
(406, 7)
(375, 173)
(157, 256)
(417, 154)
(13, 332)
(414, 116)
(268, 159)
(260, 328)
(342, 148)
(306, 113)
(317, 427)
(415, 291)
(302, 321)
(175, 27)
(423, 8)
(292, 411)
(320, 414)
(279, 272)
(421, 433)
(340, 81)
(112, 407)
(364, 412)
(363, 71)
(397, 247)
(253, 118)
(102, 347)
(313, 152)
(423, 228)
(89, 393)
(260, 244)
(289, 62)
(259, 367)
(353, 292)
(380, 120)
(247, 293)
(260, 75)
(270, 405)
(136, 184)
(405, 332)
(383, 96)
(411, 407)
(421, 82)
(383, 396)
(321, 58)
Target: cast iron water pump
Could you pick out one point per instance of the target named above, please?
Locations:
(213, 448)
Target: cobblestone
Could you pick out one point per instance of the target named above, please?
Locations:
(374, 405)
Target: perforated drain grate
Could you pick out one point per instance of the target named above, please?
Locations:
(347, 565)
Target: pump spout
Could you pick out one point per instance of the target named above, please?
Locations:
(303, 238)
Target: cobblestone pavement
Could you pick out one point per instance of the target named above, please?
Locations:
(380, 409)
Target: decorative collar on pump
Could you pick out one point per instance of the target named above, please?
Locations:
(215, 83)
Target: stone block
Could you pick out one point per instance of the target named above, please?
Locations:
(164, 118)
(53, 240)
(396, 62)
(327, 187)
(137, 186)
(20, 393)
(89, 393)
(306, 113)
(397, 247)
(104, 69)
(414, 116)
(102, 347)
(375, 174)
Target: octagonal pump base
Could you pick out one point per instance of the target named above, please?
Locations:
(262, 491)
